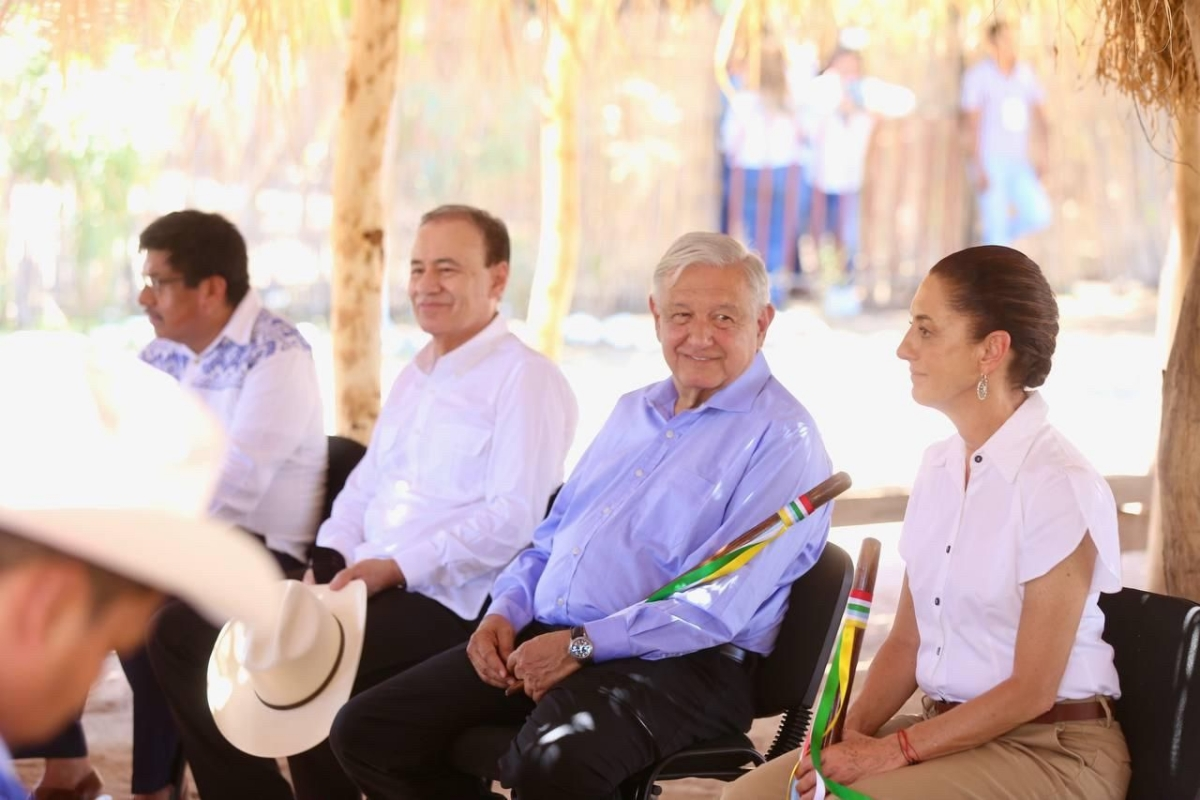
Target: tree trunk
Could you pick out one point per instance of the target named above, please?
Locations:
(1170, 295)
(358, 218)
(558, 245)
(1173, 539)
(1179, 441)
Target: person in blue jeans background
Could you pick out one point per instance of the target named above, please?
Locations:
(1004, 104)
(762, 142)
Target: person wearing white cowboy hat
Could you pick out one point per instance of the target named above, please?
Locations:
(106, 472)
(468, 447)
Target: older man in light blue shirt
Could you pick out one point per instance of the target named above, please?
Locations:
(604, 682)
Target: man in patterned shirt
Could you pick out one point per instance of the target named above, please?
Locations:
(256, 372)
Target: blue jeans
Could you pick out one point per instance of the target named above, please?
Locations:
(837, 215)
(1014, 204)
(774, 234)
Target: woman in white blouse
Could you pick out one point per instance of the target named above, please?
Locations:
(1009, 538)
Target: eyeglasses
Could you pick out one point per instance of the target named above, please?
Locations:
(155, 283)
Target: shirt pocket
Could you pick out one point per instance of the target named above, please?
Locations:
(454, 461)
(674, 516)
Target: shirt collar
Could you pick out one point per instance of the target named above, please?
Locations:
(6, 765)
(462, 358)
(738, 396)
(241, 324)
(239, 327)
(1010, 444)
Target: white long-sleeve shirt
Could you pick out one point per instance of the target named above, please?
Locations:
(259, 378)
(466, 451)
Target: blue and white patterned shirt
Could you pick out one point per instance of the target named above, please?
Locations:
(259, 378)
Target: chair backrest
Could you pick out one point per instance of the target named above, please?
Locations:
(791, 675)
(1157, 644)
(344, 455)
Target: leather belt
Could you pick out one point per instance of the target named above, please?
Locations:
(1060, 712)
(738, 654)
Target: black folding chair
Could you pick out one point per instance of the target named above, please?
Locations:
(785, 683)
(344, 455)
(1157, 644)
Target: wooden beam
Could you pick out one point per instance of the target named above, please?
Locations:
(887, 504)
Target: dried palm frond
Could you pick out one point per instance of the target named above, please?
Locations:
(1148, 53)
(273, 31)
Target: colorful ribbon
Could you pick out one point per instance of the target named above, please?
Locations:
(730, 558)
(834, 700)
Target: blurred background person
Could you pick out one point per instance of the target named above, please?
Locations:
(762, 140)
(1004, 103)
(840, 117)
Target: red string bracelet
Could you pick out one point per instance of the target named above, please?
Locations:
(910, 752)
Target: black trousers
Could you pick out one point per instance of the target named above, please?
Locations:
(600, 726)
(402, 629)
(156, 750)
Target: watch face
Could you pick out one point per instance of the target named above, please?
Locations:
(580, 648)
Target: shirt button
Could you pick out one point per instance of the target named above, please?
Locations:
(606, 511)
(574, 551)
(670, 434)
(561, 601)
(638, 473)
(937, 601)
(978, 459)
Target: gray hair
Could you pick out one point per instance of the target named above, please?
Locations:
(713, 249)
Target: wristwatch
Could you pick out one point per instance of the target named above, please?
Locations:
(580, 648)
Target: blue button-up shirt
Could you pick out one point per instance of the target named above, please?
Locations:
(655, 494)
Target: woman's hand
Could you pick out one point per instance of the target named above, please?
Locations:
(853, 759)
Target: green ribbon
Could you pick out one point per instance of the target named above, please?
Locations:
(696, 575)
(821, 724)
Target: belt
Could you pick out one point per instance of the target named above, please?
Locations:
(1059, 712)
(737, 654)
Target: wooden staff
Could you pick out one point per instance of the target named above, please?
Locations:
(818, 496)
(864, 584)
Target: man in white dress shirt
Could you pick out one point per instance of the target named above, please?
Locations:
(254, 370)
(467, 450)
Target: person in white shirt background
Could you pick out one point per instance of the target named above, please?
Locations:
(840, 114)
(761, 139)
(254, 370)
(1004, 105)
(469, 446)
(1009, 538)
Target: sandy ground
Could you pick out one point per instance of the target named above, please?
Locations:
(1104, 386)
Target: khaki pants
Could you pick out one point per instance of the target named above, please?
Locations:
(1080, 760)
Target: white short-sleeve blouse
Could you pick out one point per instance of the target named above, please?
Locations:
(970, 547)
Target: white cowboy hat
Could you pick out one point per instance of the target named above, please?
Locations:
(275, 691)
(110, 461)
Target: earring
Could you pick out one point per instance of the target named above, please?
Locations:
(981, 389)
